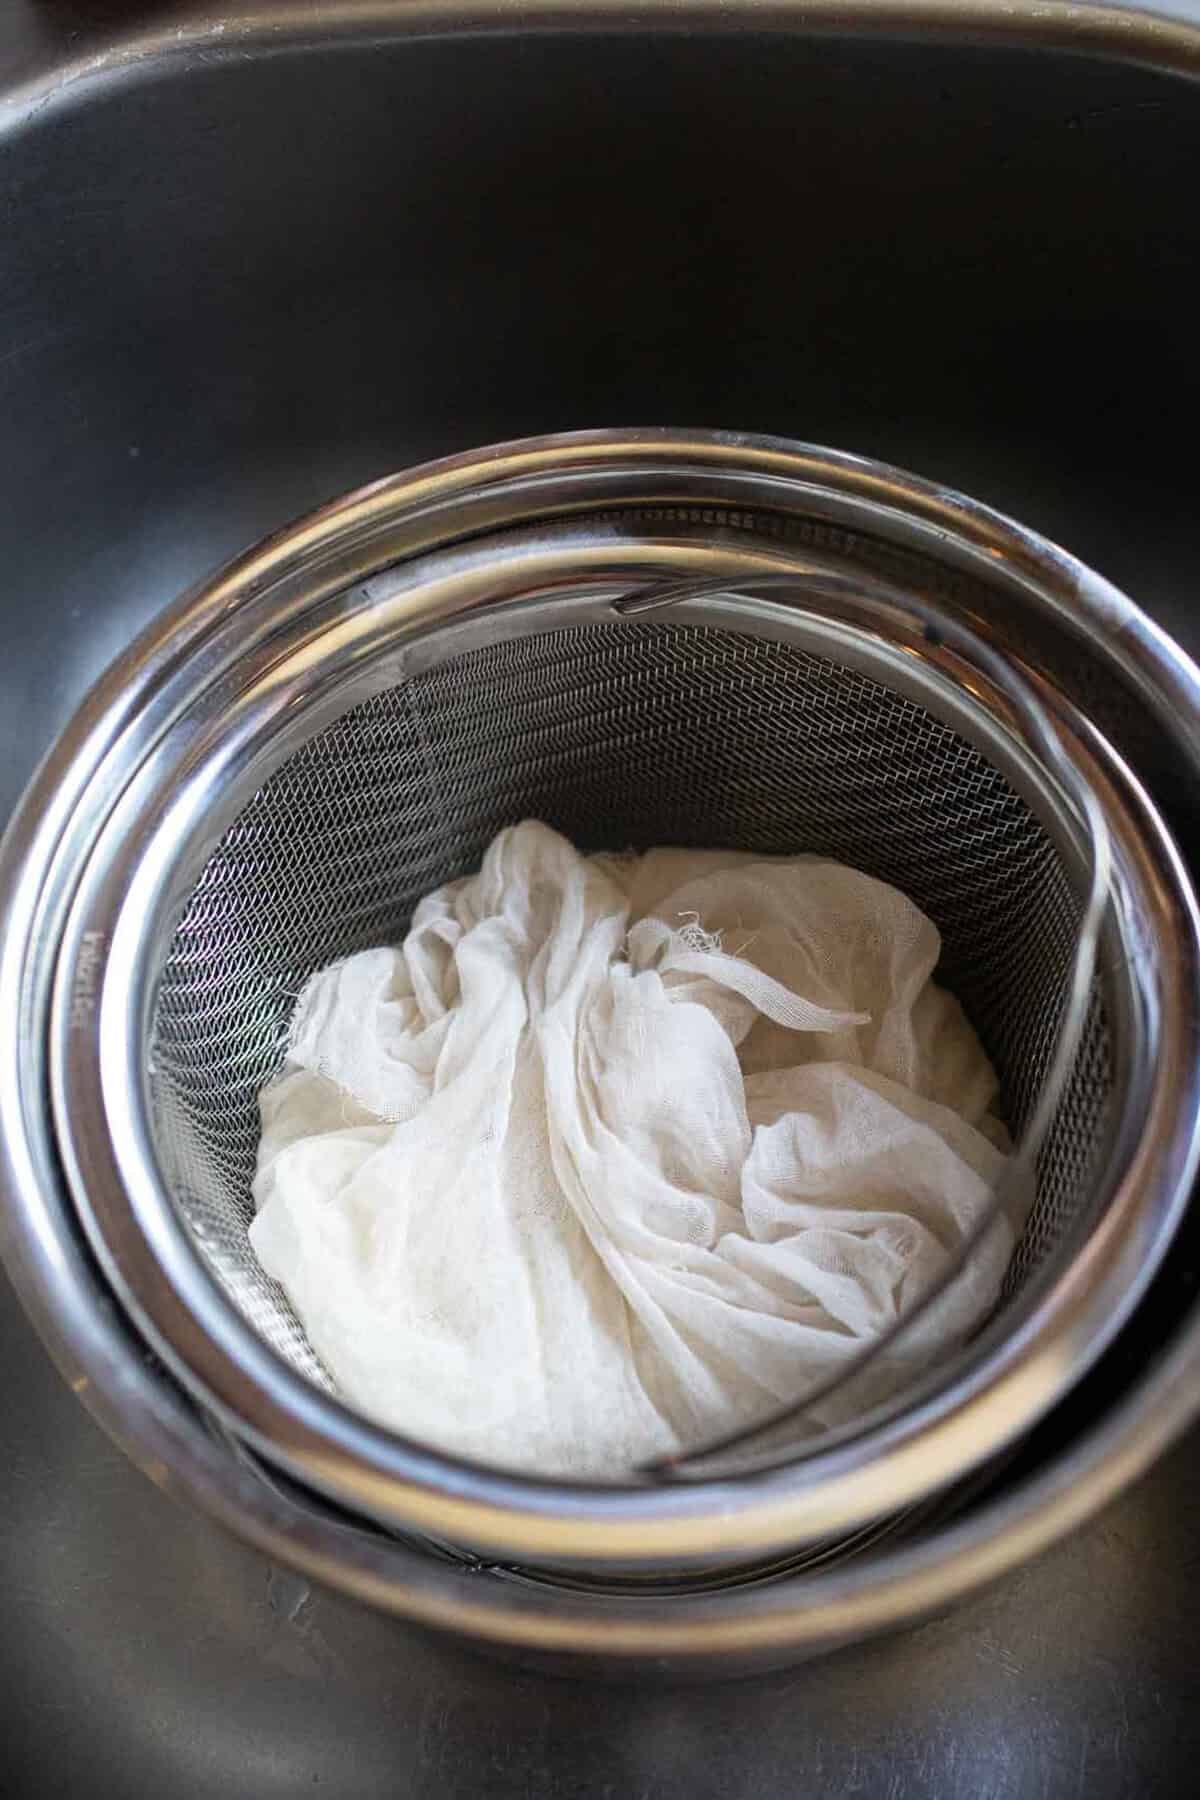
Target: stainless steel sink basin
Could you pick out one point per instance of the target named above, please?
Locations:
(242, 275)
(252, 258)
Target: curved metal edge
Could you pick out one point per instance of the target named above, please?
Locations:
(196, 1331)
(727, 1635)
(79, 1321)
(407, 513)
(1165, 39)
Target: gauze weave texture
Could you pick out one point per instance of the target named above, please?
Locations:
(615, 1153)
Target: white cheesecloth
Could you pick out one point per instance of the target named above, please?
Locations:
(616, 1153)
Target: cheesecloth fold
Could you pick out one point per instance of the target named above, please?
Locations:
(616, 1153)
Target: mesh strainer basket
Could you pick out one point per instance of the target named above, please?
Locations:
(342, 722)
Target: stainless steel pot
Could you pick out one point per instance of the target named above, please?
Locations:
(178, 758)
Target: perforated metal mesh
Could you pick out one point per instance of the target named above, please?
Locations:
(620, 736)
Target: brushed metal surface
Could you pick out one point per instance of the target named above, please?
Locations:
(232, 284)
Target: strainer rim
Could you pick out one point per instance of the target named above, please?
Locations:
(1125, 612)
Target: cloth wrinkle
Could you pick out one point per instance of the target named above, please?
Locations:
(613, 1153)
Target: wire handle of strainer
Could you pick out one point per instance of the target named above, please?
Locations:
(937, 629)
